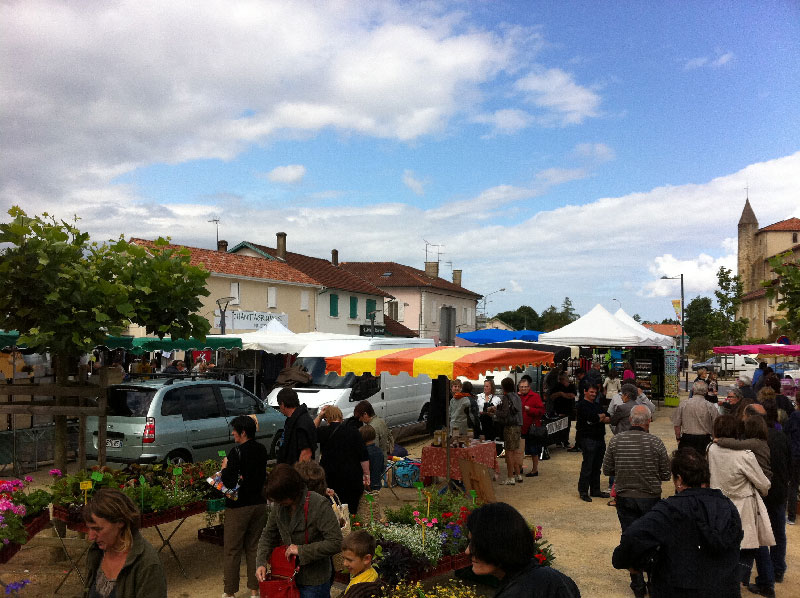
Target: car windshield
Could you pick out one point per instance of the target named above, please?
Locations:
(130, 401)
(319, 379)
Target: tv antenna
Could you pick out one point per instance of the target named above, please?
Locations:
(216, 221)
(438, 250)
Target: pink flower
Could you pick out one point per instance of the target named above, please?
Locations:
(434, 520)
(28, 479)
(429, 524)
(56, 473)
(415, 513)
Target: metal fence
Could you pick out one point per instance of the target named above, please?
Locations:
(25, 449)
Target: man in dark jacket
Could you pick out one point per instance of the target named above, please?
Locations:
(688, 542)
(590, 427)
(299, 440)
(245, 465)
(792, 430)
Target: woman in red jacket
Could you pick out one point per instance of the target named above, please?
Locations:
(532, 413)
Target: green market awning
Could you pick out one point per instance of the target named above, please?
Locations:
(148, 343)
(9, 339)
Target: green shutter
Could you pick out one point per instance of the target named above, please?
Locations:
(370, 307)
(334, 306)
(353, 308)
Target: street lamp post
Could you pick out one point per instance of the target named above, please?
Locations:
(683, 335)
(486, 296)
(619, 302)
(222, 303)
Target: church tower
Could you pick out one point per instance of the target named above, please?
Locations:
(748, 227)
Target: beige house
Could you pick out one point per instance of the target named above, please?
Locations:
(421, 300)
(346, 303)
(255, 290)
(756, 247)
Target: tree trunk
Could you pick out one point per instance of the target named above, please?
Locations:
(60, 445)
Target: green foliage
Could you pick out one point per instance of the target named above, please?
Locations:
(730, 331)
(670, 321)
(699, 314)
(550, 319)
(637, 317)
(521, 318)
(64, 293)
(786, 288)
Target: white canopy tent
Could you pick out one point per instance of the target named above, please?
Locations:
(658, 340)
(599, 328)
(276, 338)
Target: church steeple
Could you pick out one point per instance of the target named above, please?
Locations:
(748, 215)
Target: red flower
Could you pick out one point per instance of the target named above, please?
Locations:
(447, 515)
(541, 558)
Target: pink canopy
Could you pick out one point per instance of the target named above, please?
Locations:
(770, 349)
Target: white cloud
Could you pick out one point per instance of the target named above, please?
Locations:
(293, 173)
(515, 286)
(505, 122)
(595, 152)
(205, 81)
(556, 92)
(413, 183)
(699, 275)
(721, 59)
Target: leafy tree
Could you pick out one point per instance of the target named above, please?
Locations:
(670, 321)
(567, 311)
(637, 317)
(521, 318)
(729, 297)
(64, 293)
(699, 318)
(786, 288)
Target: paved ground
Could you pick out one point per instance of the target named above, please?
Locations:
(583, 535)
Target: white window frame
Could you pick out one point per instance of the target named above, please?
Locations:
(272, 297)
(234, 293)
(304, 296)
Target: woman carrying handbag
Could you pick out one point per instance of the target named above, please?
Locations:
(301, 525)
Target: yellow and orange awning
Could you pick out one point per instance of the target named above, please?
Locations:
(469, 362)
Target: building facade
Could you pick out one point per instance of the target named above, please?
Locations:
(755, 247)
(253, 290)
(345, 304)
(421, 300)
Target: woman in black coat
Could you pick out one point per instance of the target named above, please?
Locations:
(501, 544)
(689, 542)
(343, 457)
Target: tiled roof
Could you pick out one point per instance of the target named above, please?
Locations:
(395, 328)
(220, 262)
(666, 329)
(321, 270)
(754, 294)
(391, 274)
(788, 225)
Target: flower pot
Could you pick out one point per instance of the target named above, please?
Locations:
(215, 505)
(37, 523)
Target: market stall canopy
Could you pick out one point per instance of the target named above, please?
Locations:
(452, 362)
(147, 343)
(9, 339)
(598, 328)
(560, 353)
(498, 335)
(659, 340)
(288, 342)
(766, 349)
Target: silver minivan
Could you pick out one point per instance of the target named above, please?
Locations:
(178, 420)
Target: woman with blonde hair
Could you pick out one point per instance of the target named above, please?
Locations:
(120, 563)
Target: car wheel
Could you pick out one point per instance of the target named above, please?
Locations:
(423, 415)
(178, 458)
(273, 451)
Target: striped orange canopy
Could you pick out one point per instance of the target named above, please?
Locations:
(469, 362)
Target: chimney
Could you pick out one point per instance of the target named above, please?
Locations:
(457, 277)
(281, 247)
(335, 257)
(222, 246)
(432, 269)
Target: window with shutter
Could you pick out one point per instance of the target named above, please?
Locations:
(371, 307)
(303, 300)
(334, 305)
(234, 293)
(353, 308)
(272, 297)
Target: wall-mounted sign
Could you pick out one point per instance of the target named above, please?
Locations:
(248, 320)
(370, 330)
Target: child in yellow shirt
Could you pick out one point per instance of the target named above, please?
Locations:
(358, 550)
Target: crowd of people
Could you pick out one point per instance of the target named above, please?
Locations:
(735, 477)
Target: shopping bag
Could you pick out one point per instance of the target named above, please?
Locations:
(280, 580)
(342, 512)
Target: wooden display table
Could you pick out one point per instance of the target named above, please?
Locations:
(434, 459)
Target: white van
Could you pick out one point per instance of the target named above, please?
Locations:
(399, 400)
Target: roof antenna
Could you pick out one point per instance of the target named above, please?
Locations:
(216, 221)
(428, 244)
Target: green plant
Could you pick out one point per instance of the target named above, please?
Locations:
(451, 589)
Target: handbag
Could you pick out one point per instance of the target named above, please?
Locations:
(280, 581)
(537, 434)
(342, 512)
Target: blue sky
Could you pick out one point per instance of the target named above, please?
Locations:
(551, 148)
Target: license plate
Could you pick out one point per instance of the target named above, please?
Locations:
(113, 443)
